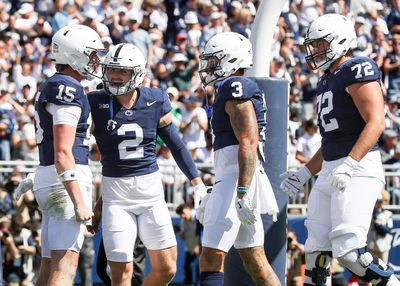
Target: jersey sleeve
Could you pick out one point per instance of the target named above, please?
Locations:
(360, 69)
(166, 104)
(64, 93)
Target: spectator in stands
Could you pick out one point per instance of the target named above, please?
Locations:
(379, 236)
(190, 234)
(20, 248)
(6, 202)
(391, 67)
(294, 259)
(392, 116)
(194, 122)
(364, 46)
(183, 73)
(27, 141)
(309, 143)
(390, 139)
(393, 19)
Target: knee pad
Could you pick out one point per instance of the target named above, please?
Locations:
(365, 266)
(318, 267)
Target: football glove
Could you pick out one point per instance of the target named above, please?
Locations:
(202, 207)
(341, 176)
(293, 181)
(199, 192)
(24, 186)
(245, 210)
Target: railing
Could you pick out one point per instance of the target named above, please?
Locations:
(177, 192)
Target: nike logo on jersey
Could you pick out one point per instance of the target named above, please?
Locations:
(217, 182)
(151, 103)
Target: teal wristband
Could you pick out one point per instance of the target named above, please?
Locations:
(242, 190)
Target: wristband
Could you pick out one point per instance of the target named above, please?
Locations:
(242, 190)
(69, 175)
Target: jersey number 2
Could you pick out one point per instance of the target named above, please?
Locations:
(126, 146)
(331, 123)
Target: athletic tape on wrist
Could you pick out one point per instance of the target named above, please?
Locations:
(242, 190)
(69, 175)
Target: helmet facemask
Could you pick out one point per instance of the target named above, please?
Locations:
(210, 67)
(118, 88)
(319, 53)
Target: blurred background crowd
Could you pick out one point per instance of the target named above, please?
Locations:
(171, 34)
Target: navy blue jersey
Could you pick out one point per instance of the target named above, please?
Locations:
(236, 88)
(128, 147)
(339, 120)
(61, 89)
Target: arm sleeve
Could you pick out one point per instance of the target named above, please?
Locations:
(64, 114)
(170, 136)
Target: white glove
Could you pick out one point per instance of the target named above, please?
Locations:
(24, 186)
(199, 192)
(341, 176)
(202, 207)
(245, 210)
(293, 181)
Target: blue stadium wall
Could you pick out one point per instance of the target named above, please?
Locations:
(295, 222)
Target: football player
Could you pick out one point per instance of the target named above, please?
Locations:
(63, 180)
(350, 113)
(127, 118)
(231, 213)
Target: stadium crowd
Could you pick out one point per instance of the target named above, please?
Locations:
(171, 34)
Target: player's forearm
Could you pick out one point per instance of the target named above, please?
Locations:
(247, 157)
(65, 166)
(315, 163)
(368, 137)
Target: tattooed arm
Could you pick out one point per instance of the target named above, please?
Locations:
(244, 123)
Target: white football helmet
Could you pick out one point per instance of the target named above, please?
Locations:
(78, 46)
(128, 57)
(334, 31)
(223, 55)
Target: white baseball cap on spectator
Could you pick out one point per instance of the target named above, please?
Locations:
(90, 14)
(133, 15)
(178, 57)
(106, 39)
(190, 18)
(236, 4)
(25, 9)
(379, 6)
(172, 91)
(122, 9)
(360, 20)
(215, 15)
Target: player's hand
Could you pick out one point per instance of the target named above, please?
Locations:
(293, 181)
(341, 176)
(24, 186)
(199, 192)
(245, 210)
(200, 211)
(96, 219)
(83, 213)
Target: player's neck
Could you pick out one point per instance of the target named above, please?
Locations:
(128, 100)
(337, 63)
